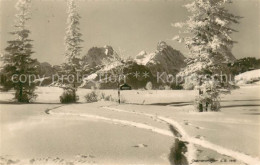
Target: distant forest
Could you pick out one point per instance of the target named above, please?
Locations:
(243, 65)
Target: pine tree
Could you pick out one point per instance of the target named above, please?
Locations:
(17, 59)
(72, 66)
(207, 36)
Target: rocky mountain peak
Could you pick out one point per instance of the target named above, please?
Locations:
(164, 59)
(161, 45)
(96, 55)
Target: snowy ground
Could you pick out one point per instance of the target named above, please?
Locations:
(248, 77)
(47, 132)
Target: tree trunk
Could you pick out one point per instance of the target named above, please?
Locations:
(20, 96)
(118, 93)
(74, 92)
(207, 105)
(200, 93)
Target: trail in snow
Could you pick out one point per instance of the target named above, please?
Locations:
(185, 137)
(124, 122)
(206, 144)
(130, 123)
(191, 150)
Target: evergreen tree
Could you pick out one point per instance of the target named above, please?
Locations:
(72, 66)
(207, 36)
(17, 59)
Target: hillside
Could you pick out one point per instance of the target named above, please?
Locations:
(248, 77)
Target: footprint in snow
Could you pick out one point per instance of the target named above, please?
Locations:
(187, 123)
(140, 146)
(199, 127)
(85, 156)
(199, 137)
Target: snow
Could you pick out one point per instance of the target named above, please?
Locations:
(221, 22)
(248, 77)
(109, 131)
(106, 51)
(144, 58)
(111, 65)
(89, 78)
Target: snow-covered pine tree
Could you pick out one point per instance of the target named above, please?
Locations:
(207, 36)
(17, 59)
(73, 51)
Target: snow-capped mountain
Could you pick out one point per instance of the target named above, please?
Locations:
(164, 59)
(143, 58)
(95, 55)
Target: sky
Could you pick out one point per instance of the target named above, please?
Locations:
(128, 26)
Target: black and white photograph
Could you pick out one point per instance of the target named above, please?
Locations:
(129, 82)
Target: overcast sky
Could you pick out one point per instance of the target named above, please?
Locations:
(131, 26)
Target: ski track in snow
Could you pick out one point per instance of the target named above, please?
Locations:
(124, 122)
(185, 137)
(191, 150)
(206, 144)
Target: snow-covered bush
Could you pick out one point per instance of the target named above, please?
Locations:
(105, 97)
(26, 96)
(208, 100)
(68, 96)
(92, 97)
(176, 86)
(190, 82)
(164, 87)
(149, 86)
(167, 87)
(188, 85)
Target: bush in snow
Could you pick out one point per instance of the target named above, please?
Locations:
(68, 96)
(190, 82)
(149, 86)
(92, 97)
(208, 100)
(176, 86)
(167, 87)
(105, 97)
(188, 85)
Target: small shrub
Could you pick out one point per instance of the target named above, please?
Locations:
(190, 82)
(102, 96)
(91, 97)
(161, 87)
(188, 85)
(105, 97)
(109, 98)
(208, 100)
(167, 87)
(175, 86)
(149, 86)
(26, 97)
(68, 97)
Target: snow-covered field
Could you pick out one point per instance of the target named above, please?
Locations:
(248, 77)
(47, 132)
